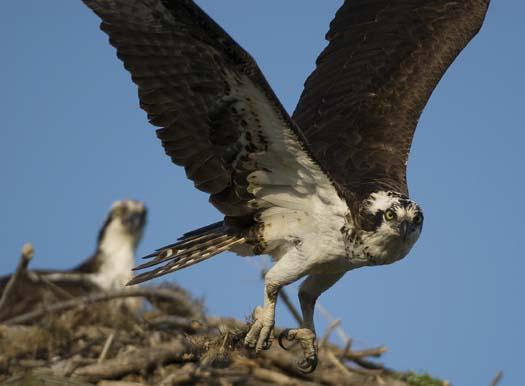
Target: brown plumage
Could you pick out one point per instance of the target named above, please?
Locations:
(185, 67)
(360, 107)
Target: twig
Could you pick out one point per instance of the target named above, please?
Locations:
(224, 341)
(52, 286)
(370, 352)
(276, 378)
(184, 375)
(119, 383)
(344, 370)
(367, 372)
(25, 258)
(365, 364)
(346, 350)
(176, 322)
(134, 361)
(357, 356)
(286, 300)
(106, 347)
(339, 330)
(497, 378)
(154, 293)
(333, 325)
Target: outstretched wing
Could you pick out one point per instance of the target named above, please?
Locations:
(361, 105)
(218, 116)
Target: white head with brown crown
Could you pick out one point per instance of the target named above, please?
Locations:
(390, 224)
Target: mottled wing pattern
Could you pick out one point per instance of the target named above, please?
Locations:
(217, 115)
(361, 105)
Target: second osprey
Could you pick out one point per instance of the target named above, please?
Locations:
(324, 191)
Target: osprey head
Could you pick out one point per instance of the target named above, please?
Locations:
(391, 224)
(126, 219)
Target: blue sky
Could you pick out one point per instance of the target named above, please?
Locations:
(73, 140)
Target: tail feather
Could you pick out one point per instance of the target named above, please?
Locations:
(182, 244)
(200, 231)
(192, 248)
(179, 251)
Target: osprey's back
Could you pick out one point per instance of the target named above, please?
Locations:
(323, 191)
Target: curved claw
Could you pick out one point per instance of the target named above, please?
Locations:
(308, 365)
(282, 336)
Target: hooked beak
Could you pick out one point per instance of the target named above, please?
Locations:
(403, 229)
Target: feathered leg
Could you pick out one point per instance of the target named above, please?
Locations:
(309, 292)
(287, 270)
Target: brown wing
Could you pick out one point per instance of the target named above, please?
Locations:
(218, 116)
(361, 105)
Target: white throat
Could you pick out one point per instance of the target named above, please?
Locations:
(118, 257)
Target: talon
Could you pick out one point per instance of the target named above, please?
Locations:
(267, 344)
(250, 340)
(269, 341)
(308, 365)
(284, 335)
(265, 339)
(306, 338)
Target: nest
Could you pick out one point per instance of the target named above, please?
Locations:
(98, 339)
(161, 336)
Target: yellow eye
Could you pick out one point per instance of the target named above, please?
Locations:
(390, 215)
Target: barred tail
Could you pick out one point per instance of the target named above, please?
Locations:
(192, 248)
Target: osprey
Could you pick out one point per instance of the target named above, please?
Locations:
(323, 191)
(108, 268)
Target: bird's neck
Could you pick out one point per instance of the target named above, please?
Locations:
(115, 256)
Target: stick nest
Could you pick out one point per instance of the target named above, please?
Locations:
(98, 339)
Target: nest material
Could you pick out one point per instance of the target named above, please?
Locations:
(98, 340)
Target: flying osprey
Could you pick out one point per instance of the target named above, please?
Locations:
(108, 268)
(323, 191)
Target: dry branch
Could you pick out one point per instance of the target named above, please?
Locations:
(119, 383)
(289, 304)
(183, 375)
(158, 293)
(134, 361)
(497, 379)
(276, 378)
(106, 347)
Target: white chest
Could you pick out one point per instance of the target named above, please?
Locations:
(115, 272)
(117, 261)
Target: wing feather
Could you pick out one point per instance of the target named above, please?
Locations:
(217, 115)
(361, 105)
